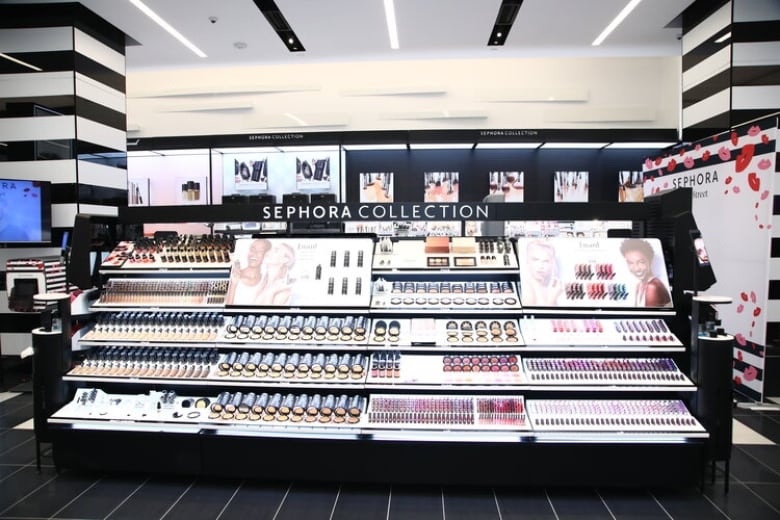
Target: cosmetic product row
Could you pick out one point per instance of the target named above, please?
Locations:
(300, 329)
(180, 251)
(480, 363)
(596, 291)
(443, 301)
(447, 412)
(627, 332)
(171, 292)
(439, 288)
(404, 368)
(147, 362)
(156, 326)
(293, 365)
(385, 365)
(595, 371)
(611, 415)
(347, 258)
(386, 331)
(598, 271)
(496, 332)
(277, 408)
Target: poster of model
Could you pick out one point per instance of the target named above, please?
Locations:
(376, 187)
(510, 184)
(587, 272)
(276, 272)
(630, 186)
(441, 187)
(570, 186)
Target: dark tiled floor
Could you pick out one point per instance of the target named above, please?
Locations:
(27, 494)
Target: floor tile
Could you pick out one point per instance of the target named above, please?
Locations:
(577, 504)
(102, 498)
(18, 447)
(49, 499)
(464, 503)
(743, 434)
(755, 463)
(10, 439)
(769, 492)
(21, 483)
(763, 425)
(523, 504)
(29, 424)
(5, 396)
(687, 504)
(415, 503)
(7, 469)
(740, 503)
(15, 402)
(152, 500)
(255, 500)
(362, 502)
(310, 501)
(14, 416)
(627, 504)
(205, 499)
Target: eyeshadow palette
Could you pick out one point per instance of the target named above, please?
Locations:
(583, 415)
(394, 367)
(604, 371)
(446, 253)
(614, 332)
(479, 332)
(170, 292)
(444, 295)
(437, 412)
(158, 326)
(296, 329)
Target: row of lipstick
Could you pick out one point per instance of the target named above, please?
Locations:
(590, 271)
(181, 257)
(599, 365)
(596, 291)
(606, 407)
(185, 243)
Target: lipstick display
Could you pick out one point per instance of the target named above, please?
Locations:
(605, 371)
(639, 332)
(611, 415)
(191, 252)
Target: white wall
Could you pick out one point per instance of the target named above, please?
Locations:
(401, 95)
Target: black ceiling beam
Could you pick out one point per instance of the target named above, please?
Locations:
(507, 13)
(279, 24)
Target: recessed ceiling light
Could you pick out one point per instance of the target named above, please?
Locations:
(617, 21)
(156, 18)
(498, 35)
(240, 45)
(290, 40)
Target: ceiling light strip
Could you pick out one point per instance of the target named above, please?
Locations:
(20, 62)
(165, 25)
(392, 25)
(617, 21)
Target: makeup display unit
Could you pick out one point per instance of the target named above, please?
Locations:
(296, 351)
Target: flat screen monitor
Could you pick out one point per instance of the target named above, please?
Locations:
(25, 212)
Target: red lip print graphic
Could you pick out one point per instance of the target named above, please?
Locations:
(739, 356)
(740, 308)
(682, 152)
(744, 296)
(672, 165)
(764, 138)
(754, 181)
(745, 156)
(737, 189)
(688, 162)
(658, 161)
(729, 179)
(753, 296)
(648, 163)
(757, 312)
(734, 138)
(737, 380)
(724, 153)
(754, 130)
(705, 156)
(764, 195)
(741, 339)
(750, 373)
(764, 164)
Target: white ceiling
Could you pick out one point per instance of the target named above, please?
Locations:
(353, 30)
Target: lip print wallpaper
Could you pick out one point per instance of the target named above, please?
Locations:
(732, 177)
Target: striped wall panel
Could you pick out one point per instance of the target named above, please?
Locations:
(731, 54)
(773, 311)
(74, 74)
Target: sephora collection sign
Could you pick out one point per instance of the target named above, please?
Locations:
(373, 212)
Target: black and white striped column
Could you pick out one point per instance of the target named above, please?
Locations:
(62, 106)
(730, 64)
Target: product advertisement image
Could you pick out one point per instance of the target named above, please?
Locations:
(398, 348)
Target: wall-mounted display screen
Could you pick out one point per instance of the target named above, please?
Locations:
(25, 212)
